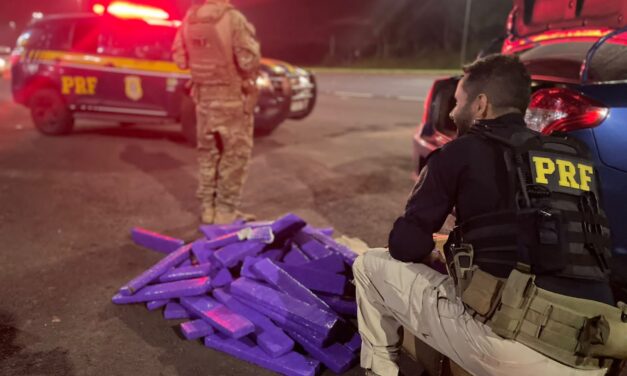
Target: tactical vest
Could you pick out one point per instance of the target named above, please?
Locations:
(210, 50)
(553, 226)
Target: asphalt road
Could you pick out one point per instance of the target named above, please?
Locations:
(67, 205)
(397, 86)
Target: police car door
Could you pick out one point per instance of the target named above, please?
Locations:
(80, 77)
(140, 74)
(69, 53)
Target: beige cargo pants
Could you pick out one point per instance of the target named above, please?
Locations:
(225, 142)
(392, 294)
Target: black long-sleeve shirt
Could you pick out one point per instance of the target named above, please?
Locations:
(468, 174)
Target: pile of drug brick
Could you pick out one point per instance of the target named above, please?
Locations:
(277, 294)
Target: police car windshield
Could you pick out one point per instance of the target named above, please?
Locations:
(137, 39)
(563, 60)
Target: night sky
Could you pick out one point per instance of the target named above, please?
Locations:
(302, 30)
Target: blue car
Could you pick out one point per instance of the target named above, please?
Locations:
(578, 64)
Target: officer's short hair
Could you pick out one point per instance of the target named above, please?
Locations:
(504, 79)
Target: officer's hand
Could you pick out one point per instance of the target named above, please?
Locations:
(434, 257)
(436, 261)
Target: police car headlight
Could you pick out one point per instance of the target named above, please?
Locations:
(304, 80)
(279, 69)
(263, 81)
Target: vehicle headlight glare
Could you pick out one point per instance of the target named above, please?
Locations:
(263, 81)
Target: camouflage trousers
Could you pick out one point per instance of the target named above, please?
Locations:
(225, 141)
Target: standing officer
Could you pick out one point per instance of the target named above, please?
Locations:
(528, 292)
(219, 46)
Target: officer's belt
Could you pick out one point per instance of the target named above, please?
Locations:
(507, 238)
(580, 333)
(220, 91)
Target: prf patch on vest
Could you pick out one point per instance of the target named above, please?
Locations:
(562, 173)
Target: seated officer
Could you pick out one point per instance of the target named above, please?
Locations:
(528, 290)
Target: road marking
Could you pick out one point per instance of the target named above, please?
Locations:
(354, 94)
(410, 98)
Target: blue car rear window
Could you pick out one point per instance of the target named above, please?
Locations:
(562, 61)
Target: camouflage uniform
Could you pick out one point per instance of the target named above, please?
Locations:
(219, 46)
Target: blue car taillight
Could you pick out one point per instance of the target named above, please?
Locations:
(564, 110)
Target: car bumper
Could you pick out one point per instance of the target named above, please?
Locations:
(304, 95)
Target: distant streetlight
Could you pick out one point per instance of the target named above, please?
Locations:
(465, 35)
(37, 15)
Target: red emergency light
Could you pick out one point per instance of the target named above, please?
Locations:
(123, 9)
(99, 9)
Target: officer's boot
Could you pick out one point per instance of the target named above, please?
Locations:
(224, 216)
(208, 214)
(245, 216)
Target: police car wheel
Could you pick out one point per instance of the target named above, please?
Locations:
(268, 119)
(49, 113)
(266, 125)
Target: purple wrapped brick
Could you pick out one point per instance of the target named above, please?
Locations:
(295, 256)
(156, 270)
(287, 226)
(156, 304)
(317, 280)
(174, 311)
(230, 255)
(282, 281)
(220, 317)
(333, 263)
(154, 241)
(196, 329)
(291, 364)
(336, 356)
(354, 344)
(222, 278)
(340, 305)
(274, 254)
(186, 262)
(268, 336)
(227, 239)
(200, 252)
(247, 270)
(327, 231)
(187, 272)
(296, 310)
(310, 246)
(214, 231)
(348, 254)
(168, 290)
(286, 324)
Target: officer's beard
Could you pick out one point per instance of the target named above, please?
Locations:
(463, 121)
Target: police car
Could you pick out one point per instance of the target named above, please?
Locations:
(303, 86)
(119, 67)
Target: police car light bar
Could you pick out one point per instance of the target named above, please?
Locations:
(122, 9)
(99, 9)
